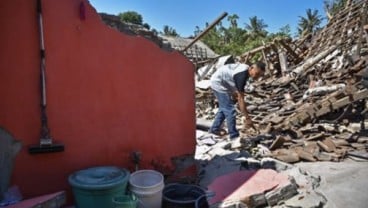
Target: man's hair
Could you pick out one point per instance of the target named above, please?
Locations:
(260, 65)
(230, 60)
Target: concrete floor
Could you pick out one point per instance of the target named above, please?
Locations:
(344, 184)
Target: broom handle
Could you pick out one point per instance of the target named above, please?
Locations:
(43, 62)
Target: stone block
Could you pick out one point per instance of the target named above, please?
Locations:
(282, 192)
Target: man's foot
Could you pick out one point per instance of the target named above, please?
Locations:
(220, 132)
(236, 142)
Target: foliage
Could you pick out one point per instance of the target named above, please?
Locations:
(235, 40)
(310, 23)
(169, 31)
(227, 37)
(256, 27)
(334, 6)
(131, 17)
(134, 18)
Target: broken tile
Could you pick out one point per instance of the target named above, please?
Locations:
(304, 155)
(324, 146)
(311, 147)
(329, 143)
(286, 155)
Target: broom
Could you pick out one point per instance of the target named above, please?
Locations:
(46, 144)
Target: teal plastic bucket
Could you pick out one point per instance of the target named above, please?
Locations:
(95, 187)
(125, 201)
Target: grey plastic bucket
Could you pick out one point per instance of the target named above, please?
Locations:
(147, 185)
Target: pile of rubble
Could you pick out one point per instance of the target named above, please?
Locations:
(240, 180)
(131, 29)
(311, 106)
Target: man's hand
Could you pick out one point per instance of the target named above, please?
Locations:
(248, 123)
(234, 97)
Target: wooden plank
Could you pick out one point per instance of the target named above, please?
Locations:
(283, 62)
(290, 51)
(315, 137)
(277, 143)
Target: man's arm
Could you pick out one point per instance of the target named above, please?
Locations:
(243, 108)
(242, 105)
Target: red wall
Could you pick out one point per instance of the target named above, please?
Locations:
(108, 94)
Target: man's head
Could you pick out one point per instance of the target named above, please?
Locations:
(257, 70)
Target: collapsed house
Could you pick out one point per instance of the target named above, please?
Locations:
(311, 105)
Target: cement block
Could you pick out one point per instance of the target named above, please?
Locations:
(281, 193)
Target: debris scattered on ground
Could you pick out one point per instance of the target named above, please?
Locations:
(314, 109)
(311, 106)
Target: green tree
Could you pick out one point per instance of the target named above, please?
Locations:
(233, 19)
(213, 38)
(310, 23)
(334, 6)
(169, 31)
(256, 27)
(284, 32)
(226, 40)
(131, 17)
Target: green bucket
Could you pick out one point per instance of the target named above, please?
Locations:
(125, 201)
(95, 187)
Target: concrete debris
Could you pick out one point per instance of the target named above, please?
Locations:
(306, 200)
(342, 184)
(246, 184)
(222, 160)
(281, 193)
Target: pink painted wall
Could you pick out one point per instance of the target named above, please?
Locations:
(108, 94)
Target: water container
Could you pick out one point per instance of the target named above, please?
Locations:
(147, 185)
(96, 187)
(177, 195)
(125, 201)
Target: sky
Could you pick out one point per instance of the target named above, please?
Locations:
(185, 15)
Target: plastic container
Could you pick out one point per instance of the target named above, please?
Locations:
(147, 185)
(96, 187)
(125, 201)
(177, 195)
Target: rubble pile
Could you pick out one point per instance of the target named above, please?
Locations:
(311, 106)
(131, 29)
(218, 158)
